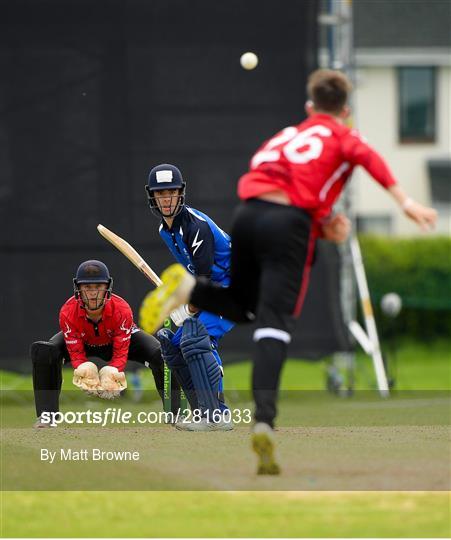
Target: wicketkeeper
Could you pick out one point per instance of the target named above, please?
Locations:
(94, 323)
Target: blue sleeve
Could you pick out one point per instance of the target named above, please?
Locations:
(201, 245)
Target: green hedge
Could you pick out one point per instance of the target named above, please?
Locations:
(419, 270)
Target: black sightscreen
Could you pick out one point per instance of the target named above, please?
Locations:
(95, 93)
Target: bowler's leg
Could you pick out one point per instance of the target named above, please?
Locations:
(286, 250)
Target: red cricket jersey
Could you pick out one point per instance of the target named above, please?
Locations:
(311, 162)
(115, 327)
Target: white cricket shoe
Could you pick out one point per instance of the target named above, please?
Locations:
(225, 424)
(39, 424)
(171, 420)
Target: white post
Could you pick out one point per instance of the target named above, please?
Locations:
(368, 315)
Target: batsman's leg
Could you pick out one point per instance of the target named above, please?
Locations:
(216, 328)
(177, 367)
(175, 400)
(206, 375)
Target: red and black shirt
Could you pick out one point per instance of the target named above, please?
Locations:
(311, 163)
(114, 328)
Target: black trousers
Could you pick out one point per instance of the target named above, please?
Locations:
(48, 358)
(272, 250)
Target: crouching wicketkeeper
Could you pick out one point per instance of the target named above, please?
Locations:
(94, 323)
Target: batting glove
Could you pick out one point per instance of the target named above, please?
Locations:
(86, 377)
(112, 382)
(179, 315)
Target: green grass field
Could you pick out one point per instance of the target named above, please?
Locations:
(418, 366)
(354, 467)
(234, 514)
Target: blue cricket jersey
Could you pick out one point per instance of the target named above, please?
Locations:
(199, 245)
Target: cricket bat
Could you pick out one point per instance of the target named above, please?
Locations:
(134, 257)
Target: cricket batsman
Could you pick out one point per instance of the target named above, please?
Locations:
(204, 250)
(94, 322)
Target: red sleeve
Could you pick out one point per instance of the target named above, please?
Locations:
(123, 328)
(73, 340)
(358, 152)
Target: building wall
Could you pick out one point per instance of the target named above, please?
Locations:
(376, 115)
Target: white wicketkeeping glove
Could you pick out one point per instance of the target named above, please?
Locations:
(179, 315)
(86, 377)
(112, 382)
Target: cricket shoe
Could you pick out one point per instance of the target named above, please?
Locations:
(39, 424)
(173, 418)
(263, 446)
(174, 291)
(204, 425)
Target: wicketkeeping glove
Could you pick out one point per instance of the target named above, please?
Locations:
(112, 382)
(86, 377)
(179, 315)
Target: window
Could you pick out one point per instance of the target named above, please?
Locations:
(416, 87)
(440, 180)
(440, 189)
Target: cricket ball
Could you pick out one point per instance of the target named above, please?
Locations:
(249, 60)
(391, 304)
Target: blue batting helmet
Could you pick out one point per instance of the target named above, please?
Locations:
(163, 177)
